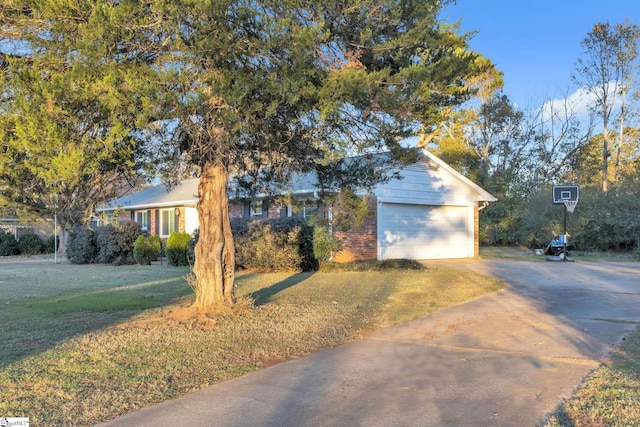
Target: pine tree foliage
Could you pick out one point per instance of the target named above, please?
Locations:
(217, 87)
(65, 142)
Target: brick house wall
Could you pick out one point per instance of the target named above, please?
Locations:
(275, 210)
(153, 221)
(236, 210)
(360, 244)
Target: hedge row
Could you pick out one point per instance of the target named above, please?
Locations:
(108, 244)
(287, 244)
(283, 244)
(28, 244)
(274, 245)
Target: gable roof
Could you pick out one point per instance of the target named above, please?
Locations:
(186, 192)
(483, 195)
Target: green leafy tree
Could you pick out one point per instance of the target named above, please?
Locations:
(492, 147)
(65, 144)
(606, 71)
(586, 166)
(257, 89)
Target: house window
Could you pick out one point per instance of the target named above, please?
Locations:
(104, 218)
(167, 222)
(256, 209)
(142, 218)
(305, 210)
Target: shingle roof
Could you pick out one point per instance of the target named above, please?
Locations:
(186, 192)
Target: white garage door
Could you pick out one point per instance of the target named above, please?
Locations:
(424, 232)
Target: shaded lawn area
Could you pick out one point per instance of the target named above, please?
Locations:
(609, 396)
(43, 304)
(84, 344)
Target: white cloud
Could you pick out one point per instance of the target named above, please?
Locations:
(578, 103)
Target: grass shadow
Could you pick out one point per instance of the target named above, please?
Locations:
(40, 311)
(264, 295)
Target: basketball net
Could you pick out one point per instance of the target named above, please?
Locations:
(570, 205)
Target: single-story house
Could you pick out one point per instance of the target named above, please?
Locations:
(431, 213)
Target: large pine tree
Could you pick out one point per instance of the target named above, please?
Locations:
(259, 88)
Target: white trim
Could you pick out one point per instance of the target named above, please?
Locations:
(147, 214)
(385, 199)
(159, 205)
(485, 195)
(172, 226)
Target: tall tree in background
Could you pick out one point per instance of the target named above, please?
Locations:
(257, 89)
(64, 147)
(606, 71)
(485, 143)
(558, 133)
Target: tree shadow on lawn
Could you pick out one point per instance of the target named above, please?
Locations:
(264, 295)
(33, 325)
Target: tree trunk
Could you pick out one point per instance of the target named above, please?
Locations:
(605, 159)
(620, 136)
(214, 253)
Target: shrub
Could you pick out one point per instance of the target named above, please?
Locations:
(273, 245)
(107, 243)
(115, 243)
(177, 249)
(8, 244)
(400, 264)
(146, 249)
(82, 247)
(324, 244)
(30, 244)
(48, 246)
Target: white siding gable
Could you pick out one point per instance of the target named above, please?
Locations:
(429, 214)
(425, 184)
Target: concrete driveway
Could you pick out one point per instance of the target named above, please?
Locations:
(506, 359)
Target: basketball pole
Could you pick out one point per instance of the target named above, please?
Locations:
(565, 232)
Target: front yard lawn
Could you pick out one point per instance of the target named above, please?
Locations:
(84, 344)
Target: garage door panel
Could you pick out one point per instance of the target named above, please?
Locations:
(423, 232)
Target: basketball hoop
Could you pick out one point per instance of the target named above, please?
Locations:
(570, 205)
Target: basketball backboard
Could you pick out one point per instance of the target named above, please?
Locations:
(565, 192)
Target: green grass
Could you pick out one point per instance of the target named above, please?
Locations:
(525, 254)
(84, 344)
(605, 256)
(509, 252)
(44, 304)
(610, 396)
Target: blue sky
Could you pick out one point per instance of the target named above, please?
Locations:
(536, 43)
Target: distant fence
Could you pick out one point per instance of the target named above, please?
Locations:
(17, 230)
